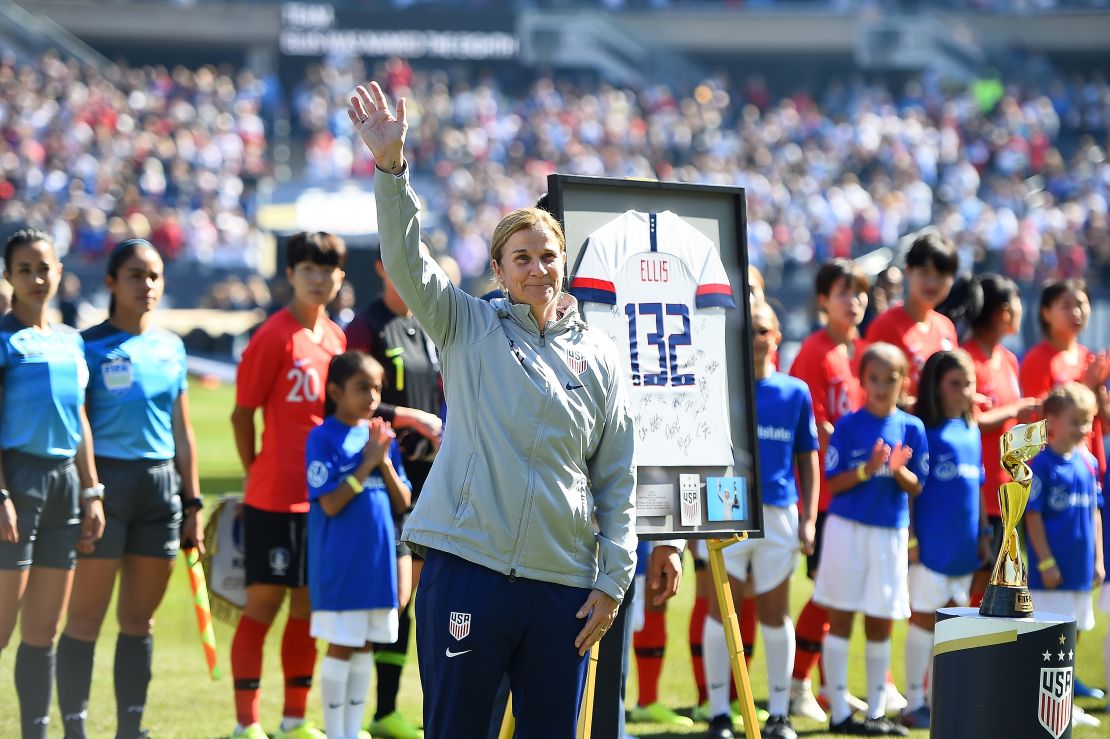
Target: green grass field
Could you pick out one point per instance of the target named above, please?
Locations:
(184, 702)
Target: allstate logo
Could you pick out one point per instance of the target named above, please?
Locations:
(832, 459)
(317, 474)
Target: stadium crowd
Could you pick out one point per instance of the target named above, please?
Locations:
(1015, 175)
(172, 155)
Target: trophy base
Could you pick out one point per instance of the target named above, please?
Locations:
(1006, 601)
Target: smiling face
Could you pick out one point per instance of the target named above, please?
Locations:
(531, 268)
(138, 283)
(34, 273)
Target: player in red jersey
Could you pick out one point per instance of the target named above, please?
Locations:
(1000, 405)
(828, 363)
(1060, 358)
(915, 327)
(283, 372)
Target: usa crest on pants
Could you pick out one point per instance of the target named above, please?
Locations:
(1054, 699)
(459, 625)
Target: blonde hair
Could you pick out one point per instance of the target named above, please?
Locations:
(885, 354)
(519, 220)
(763, 308)
(1071, 394)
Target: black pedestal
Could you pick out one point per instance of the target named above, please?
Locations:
(1002, 678)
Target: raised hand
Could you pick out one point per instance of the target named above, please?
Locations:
(1097, 370)
(1029, 409)
(381, 131)
(898, 457)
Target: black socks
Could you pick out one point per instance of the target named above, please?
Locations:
(34, 682)
(75, 668)
(132, 676)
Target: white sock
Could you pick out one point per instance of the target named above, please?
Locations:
(358, 685)
(778, 643)
(288, 723)
(835, 656)
(919, 652)
(878, 664)
(718, 671)
(334, 674)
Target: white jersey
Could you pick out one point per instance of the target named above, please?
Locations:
(657, 287)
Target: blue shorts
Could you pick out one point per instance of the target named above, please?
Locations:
(475, 625)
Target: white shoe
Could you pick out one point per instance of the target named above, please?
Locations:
(895, 701)
(803, 704)
(1079, 717)
(855, 704)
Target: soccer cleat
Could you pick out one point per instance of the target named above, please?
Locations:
(1085, 691)
(394, 726)
(734, 707)
(720, 728)
(883, 726)
(854, 703)
(852, 727)
(254, 731)
(364, 734)
(1079, 717)
(918, 718)
(803, 704)
(657, 713)
(303, 731)
(779, 727)
(895, 701)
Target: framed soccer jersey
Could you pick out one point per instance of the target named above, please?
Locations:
(661, 268)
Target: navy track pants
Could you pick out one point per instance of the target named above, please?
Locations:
(475, 625)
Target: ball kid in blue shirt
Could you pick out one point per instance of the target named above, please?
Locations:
(1062, 521)
(949, 537)
(355, 482)
(877, 457)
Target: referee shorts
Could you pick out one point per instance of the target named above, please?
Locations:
(45, 492)
(142, 509)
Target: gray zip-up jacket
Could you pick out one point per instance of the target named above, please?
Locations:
(539, 438)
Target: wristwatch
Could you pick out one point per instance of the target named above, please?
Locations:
(96, 492)
(987, 531)
(5, 496)
(191, 503)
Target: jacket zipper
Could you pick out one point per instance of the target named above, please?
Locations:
(530, 494)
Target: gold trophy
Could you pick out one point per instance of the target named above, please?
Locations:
(1007, 595)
